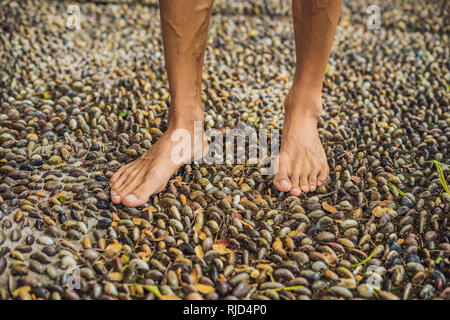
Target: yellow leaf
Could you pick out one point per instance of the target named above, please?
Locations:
(204, 288)
(115, 276)
(221, 248)
(60, 194)
(113, 249)
(198, 251)
(137, 221)
(202, 235)
(19, 290)
(150, 208)
(329, 207)
(277, 244)
(170, 297)
(194, 276)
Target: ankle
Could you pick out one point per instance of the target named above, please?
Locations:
(185, 116)
(306, 103)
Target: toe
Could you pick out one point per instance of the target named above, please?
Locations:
(141, 194)
(281, 180)
(304, 183)
(312, 181)
(322, 177)
(115, 197)
(117, 175)
(295, 191)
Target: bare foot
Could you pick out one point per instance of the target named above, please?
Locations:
(302, 160)
(134, 183)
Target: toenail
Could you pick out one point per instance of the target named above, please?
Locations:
(312, 187)
(284, 183)
(305, 187)
(319, 183)
(131, 197)
(295, 190)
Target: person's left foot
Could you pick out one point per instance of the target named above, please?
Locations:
(302, 159)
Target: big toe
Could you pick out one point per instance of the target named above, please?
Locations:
(131, 200)
(282, 183)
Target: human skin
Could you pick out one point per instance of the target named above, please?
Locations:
(302, 160)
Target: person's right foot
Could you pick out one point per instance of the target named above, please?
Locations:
(134, 183)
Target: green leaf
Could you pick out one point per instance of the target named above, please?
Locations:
(154, 290)
(394, 186)
(125, 258)
(271, 277)
(438, 260)
(270, 222)
(285, 288)
(62, 199)
(363, 261)
(123, 114)
(441, 173)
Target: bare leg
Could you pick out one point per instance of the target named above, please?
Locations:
(185, 28)
(303, 164)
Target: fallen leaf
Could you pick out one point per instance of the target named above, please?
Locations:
(137, 221)
(60, 194)
(16, 292)
(199, 251)
(224, 241)
(221, 248)
(236, 215)
(113, 249)
(356, 179)
(329, 207)
(164, 236)
(204, 288)
(154, 290)
(194, 276)
(115, 276)
(150, 208)
(382, 203)
(202, 235)
(277, 244)
(170, 297)
(247, 225)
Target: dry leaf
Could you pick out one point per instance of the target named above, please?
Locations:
(150, 208)
(60, 194)
(329, 207)
(382, 203)
(137, 221)
(115, 276)
(379, 211)
(247, 225)
(356, 179)
(236, 215)
(194, 276)
(224, 241)
(199, 251)
(164, 236)
(170, 297)
(202, 235)
(113, 249)
(221, 248)
(204, 288)
(277, 244)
